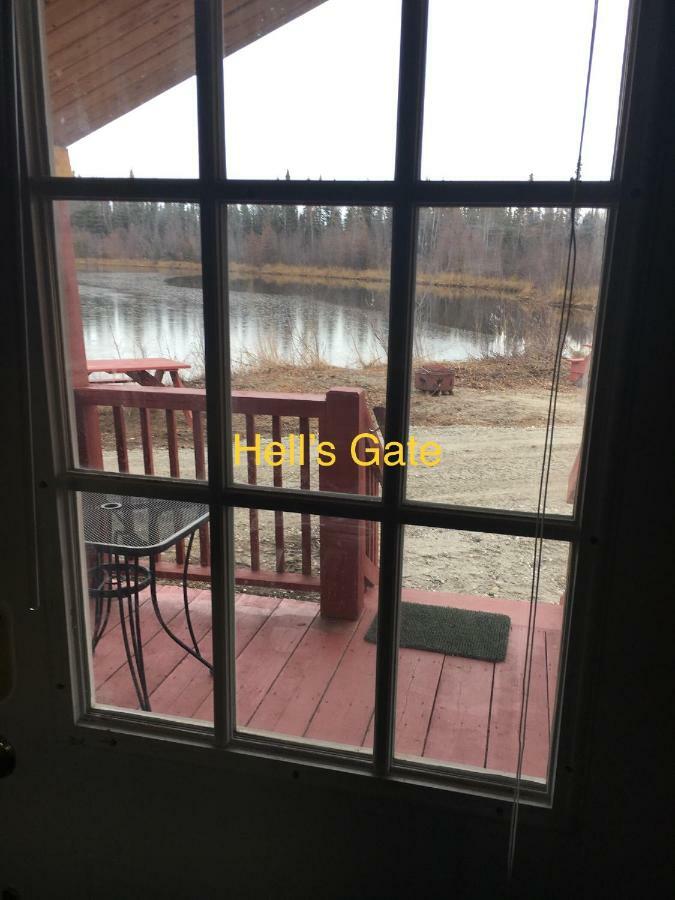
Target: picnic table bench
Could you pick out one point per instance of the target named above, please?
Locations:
(148, 371)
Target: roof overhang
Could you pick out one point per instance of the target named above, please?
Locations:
(107, 57)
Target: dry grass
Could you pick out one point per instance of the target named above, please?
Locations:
(123, 265)
(439, 283)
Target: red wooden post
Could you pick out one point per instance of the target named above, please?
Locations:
(305, 484)
(88, 429)
(573, 478)
(343, 541)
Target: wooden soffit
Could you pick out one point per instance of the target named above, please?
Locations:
(106, 57)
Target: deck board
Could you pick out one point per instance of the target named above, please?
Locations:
(458, 729)
(346, 708)
(419, 673)
(162, 655)
(502, 750)
(552, 664)
(265, 656)
(301, 675)
(188, 690)
(292, 700)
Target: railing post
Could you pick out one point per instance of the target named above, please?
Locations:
(343, 541)
(87, 423)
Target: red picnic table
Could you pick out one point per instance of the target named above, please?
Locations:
(149, 371)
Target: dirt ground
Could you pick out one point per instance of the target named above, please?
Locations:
(491, 434)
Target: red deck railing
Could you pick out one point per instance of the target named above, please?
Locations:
(348, 549)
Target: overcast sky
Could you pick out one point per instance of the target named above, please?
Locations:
(504, 95)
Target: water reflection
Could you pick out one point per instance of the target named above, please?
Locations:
(130, 314)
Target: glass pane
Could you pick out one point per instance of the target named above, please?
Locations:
(132, 309)
(487, 315)
(505, 89)
(311, 89)
(309, 298)
(306, 590)
(462, 650)
(122, 91)
(148, 614)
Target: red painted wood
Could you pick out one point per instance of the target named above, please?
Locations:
(244, 402)
(88, 430)
(262, 660)
(120, 426)
(418, 676)
(278, 404)
(303, 675)
(200, 475)
(113, 680)
(552, 667)
(109, 654)
(172, 443)
(89, 449)
(344, 714)
(277, 480)
(117, 366)
(305, 484)
(174, 467)
(141, 397)
(573, 478)
(251, 613)
(252, 474)
(502, 752)
(290, 580)
(146, 440)
(294, 696)
(458, 727)
(537, 738)
(188, 689)
(343, 541)
(371, 572)
(169, 569)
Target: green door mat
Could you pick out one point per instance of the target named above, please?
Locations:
(455, 632)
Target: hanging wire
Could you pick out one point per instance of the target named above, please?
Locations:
(568, 294)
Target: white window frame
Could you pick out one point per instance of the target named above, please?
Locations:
(57, 476)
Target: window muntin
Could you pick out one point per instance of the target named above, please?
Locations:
(408, 200)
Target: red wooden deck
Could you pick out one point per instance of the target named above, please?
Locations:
(306, 676)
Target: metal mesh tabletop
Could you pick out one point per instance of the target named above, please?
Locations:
(138, 525)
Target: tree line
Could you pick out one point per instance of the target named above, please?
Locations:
(509, 242)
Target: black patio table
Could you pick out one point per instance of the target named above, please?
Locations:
(122, 530)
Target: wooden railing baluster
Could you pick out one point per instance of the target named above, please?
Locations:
(200, 474)
(174, 467)
(305, 518)
(146, 440)
(348, 550)
(252, 475)
(120, 424)
(278, 481)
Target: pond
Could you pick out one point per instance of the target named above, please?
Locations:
(139, 313)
